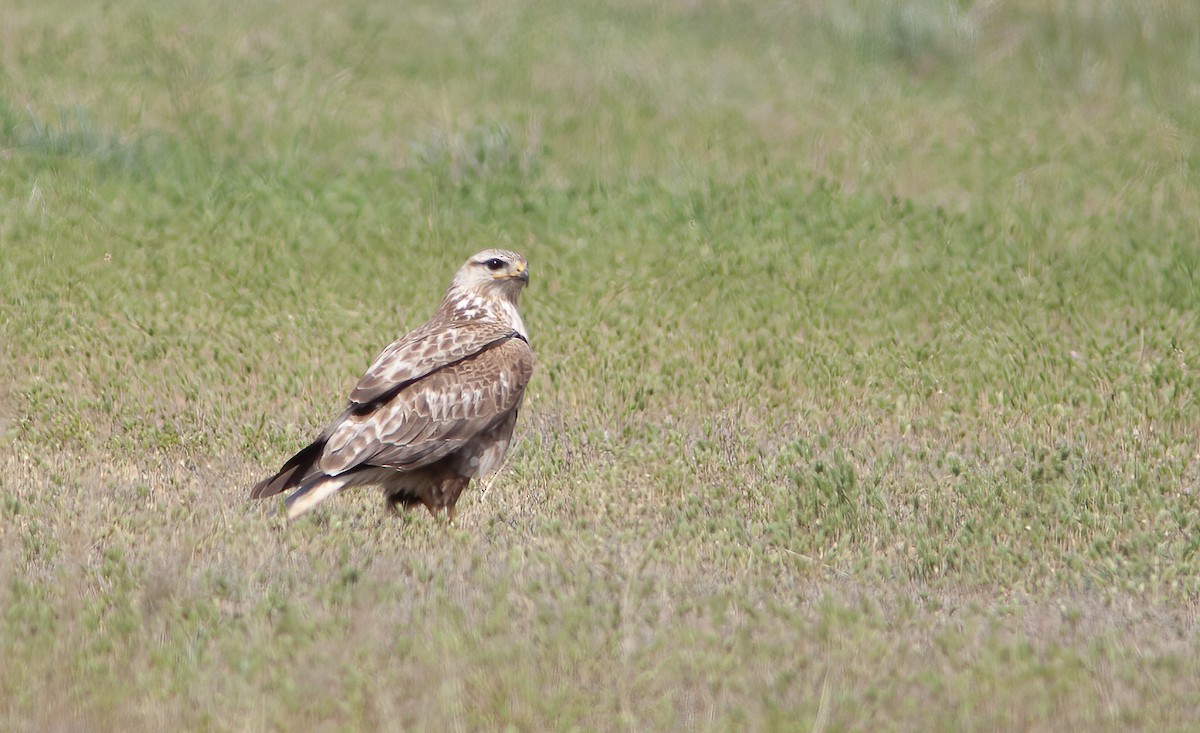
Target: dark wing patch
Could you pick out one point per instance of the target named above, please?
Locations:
(298, 467)
(423, 351)
(434, 415)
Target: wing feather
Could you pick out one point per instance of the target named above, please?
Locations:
(436, 414)
(425, 350)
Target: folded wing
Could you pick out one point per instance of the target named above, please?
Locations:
(431, 347)
(432, 414)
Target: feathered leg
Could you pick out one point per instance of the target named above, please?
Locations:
(452, 488)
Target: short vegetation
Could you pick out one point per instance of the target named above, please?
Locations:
(867, 383)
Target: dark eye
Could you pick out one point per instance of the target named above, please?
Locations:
(494, 264)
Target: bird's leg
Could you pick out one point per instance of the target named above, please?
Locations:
(452, 488)
(432, 506)
(395, 502)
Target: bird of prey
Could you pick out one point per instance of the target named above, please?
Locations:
(435, 409)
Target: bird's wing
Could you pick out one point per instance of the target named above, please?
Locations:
(434, 415)
(422, 352)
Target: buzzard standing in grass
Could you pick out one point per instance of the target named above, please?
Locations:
(435, 409)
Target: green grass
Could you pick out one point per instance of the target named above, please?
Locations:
(866, 397)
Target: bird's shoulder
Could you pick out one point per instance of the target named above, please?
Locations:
(432, 346)
(434, 414)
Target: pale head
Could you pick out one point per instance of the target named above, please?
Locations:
(493, 272)
(489, 285)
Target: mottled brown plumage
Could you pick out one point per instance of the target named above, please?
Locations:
(435, 409)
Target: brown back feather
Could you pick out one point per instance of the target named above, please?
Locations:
(429, 418)
(422, 352)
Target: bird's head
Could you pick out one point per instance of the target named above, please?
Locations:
(492, 273)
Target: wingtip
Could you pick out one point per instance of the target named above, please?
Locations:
(276, 484)
(259, 491)
(293, 473)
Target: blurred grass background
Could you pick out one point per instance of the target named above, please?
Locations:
(865, 333)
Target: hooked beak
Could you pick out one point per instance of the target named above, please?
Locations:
(519, 271)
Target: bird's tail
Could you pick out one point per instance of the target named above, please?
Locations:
(300, 469)
(314, 492)
(312, 486)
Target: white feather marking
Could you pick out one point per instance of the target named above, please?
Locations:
(490, 458)
(299, 503)
(469, 307)
(512, 317)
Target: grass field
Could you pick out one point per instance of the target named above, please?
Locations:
(867, 385)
